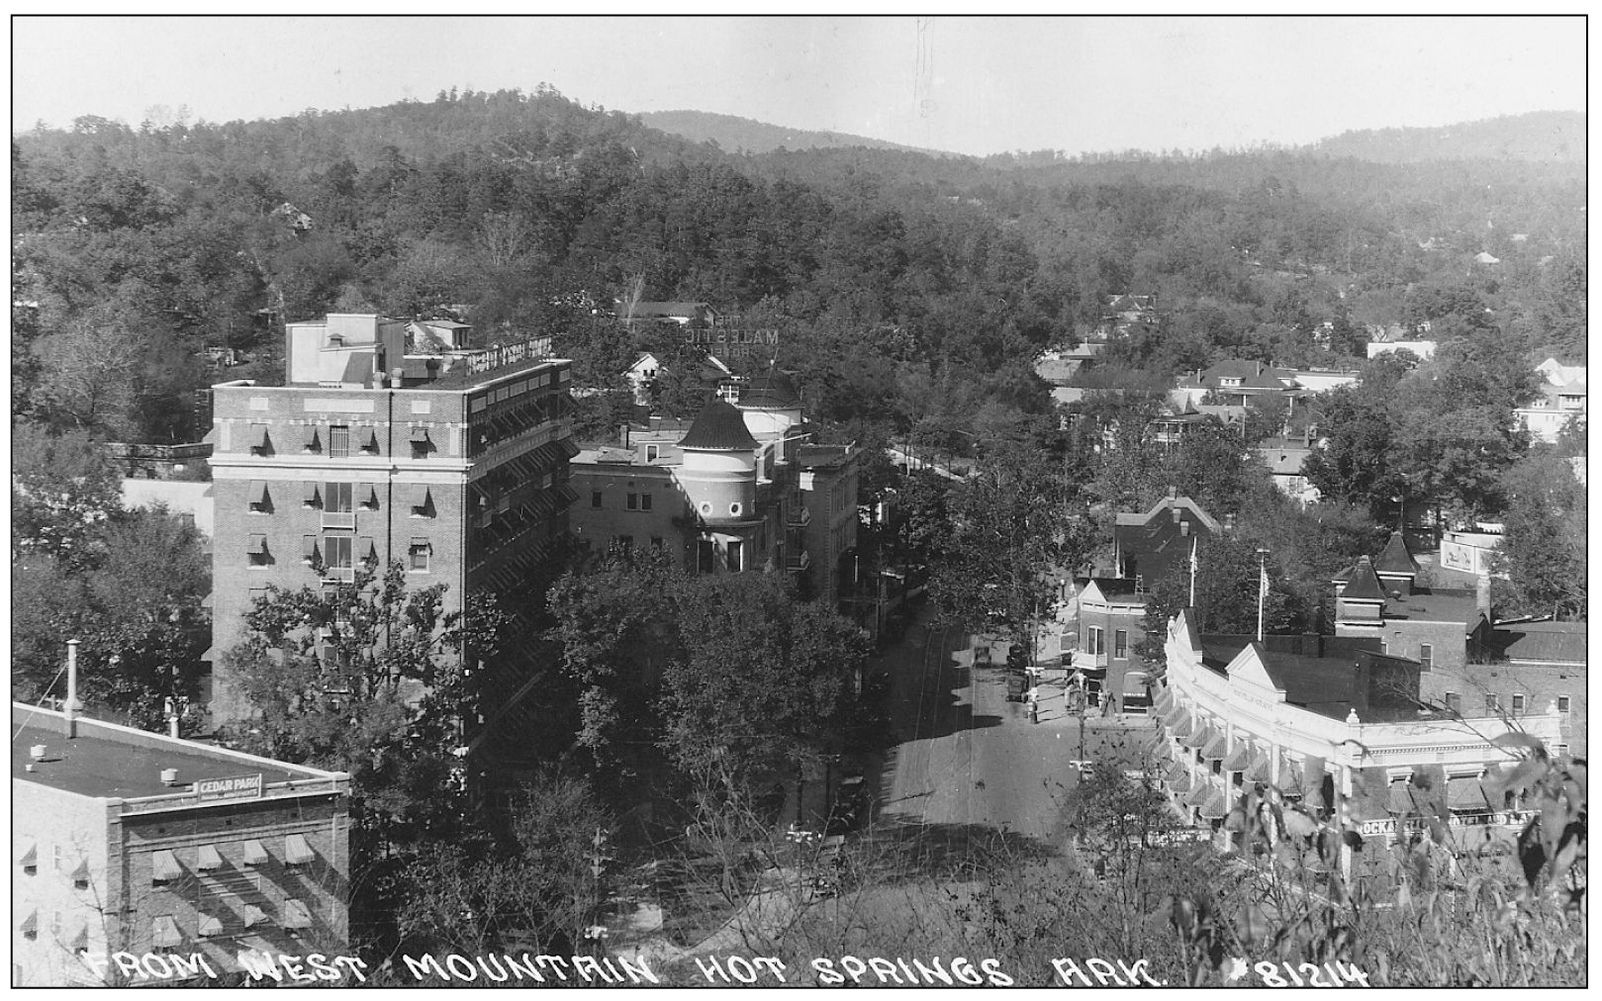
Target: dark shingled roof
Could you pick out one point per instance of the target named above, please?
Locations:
(1543, 642)
(771, 390)
(719, 428)
(1396, 559)
(1363, 582)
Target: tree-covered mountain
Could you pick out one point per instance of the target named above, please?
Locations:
(746, 135)
(912, 290)
(1539, 136)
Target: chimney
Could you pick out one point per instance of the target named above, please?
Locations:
(1482, 595)
(623, 435)
(72, 690)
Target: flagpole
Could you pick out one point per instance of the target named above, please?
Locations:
(1193, 571)
(1262, 589)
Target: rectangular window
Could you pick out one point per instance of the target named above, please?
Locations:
(1094, 643)
(1454, 702)
(338, 441)
(423, 507)
(1563, 704)
(420, 551)
(337, 498)
(736, 556)
(1121, 643)
(706, 555)
(421, 446)
(1518, 703)
(1492, 707)
(645, 502)
(633, 502)
(651, 452)
(337, 552)
(257, 551)
(1426, 655)
(595, 498)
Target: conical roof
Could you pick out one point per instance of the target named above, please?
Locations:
(719, 428)
(1364, 582)
(1396, 559)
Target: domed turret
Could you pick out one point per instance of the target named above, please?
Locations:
(718, 473)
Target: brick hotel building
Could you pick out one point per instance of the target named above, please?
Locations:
(390, 440)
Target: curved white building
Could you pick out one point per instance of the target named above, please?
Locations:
(1324, 718)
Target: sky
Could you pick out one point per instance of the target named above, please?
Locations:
(975, 85)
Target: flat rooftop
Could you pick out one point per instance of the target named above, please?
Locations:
(107, 761)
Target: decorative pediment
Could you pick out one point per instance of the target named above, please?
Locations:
(1248, 669)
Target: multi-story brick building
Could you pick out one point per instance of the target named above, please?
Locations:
(1383, 598)
(734, 490)
(177, 855)
(390, 441)
(1518, 669)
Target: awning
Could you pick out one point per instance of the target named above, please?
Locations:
(1135, 683)
(308, 547)
(258, 436)
(1182, 728)
(368, 438)
(210, 924)
(80, 872)
(164, 866)
(1466, 795)
(209, 859)
(80, 938)
(1201, 738)
(1215, 749)
(1216, 807)
(366, 550)
(1177, 779)
(313, 443)
(1200, 794)
(1291, 780)
(296, 915)
(257, 546)
(254, 916)
(258, 491)
(420, 436)
(1261, 769)
(30, 924)
(29, 857)
(164, 933)
(297, 851)
(1238, 759)
(1162, 699)
(1162, 750)
(309, 496)
(367, 496)
(418, 542)
(422, 501)
(1399, 799)
(255, 853)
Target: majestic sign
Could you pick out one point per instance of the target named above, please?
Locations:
(235, 787)
(735, 342)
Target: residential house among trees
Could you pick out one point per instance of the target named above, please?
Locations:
(1562, 399)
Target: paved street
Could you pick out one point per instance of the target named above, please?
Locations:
(965, 755)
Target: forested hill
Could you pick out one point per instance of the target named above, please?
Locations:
(912, 290)
(737, 134)
(1540, 136)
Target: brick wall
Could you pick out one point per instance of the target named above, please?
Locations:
(1540, 685)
